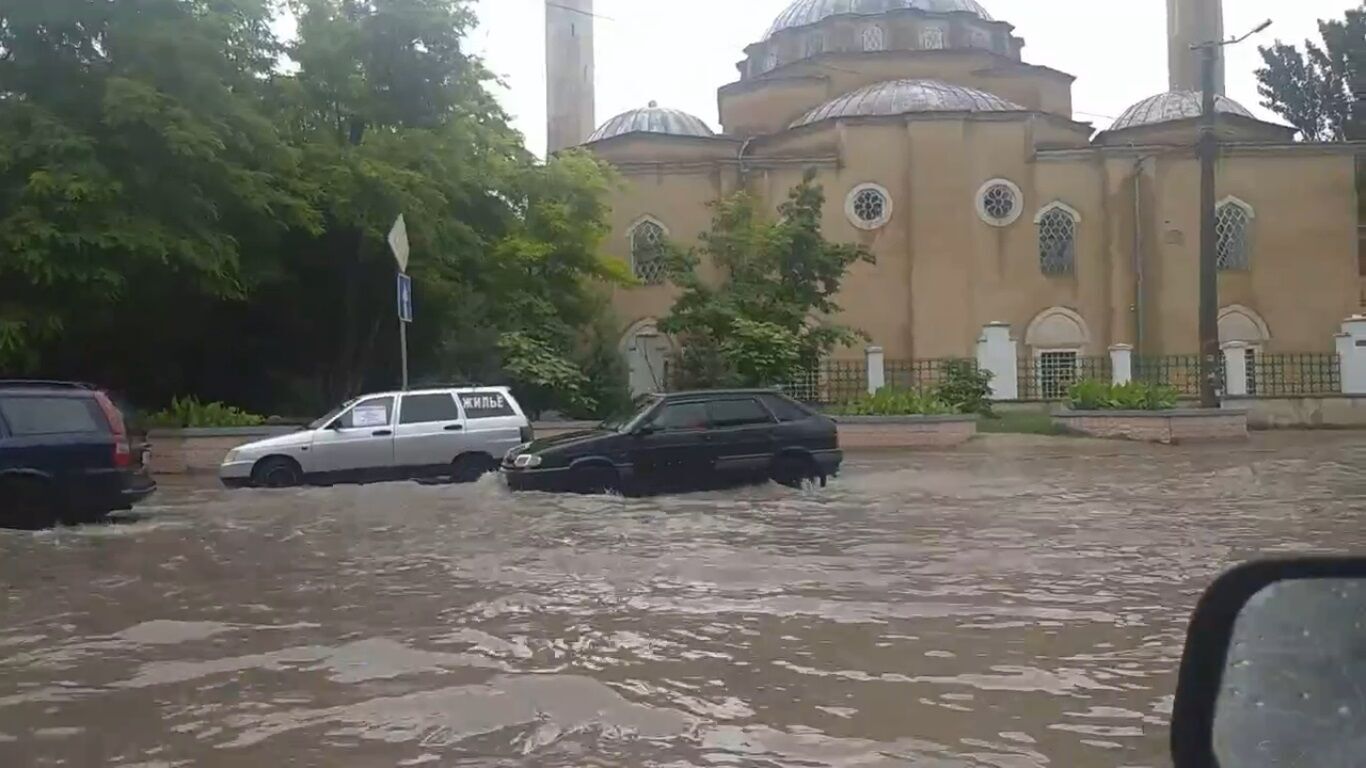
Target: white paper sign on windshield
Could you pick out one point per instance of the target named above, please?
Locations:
(370, 416)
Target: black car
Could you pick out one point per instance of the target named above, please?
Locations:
(685, 441)
(65, 455)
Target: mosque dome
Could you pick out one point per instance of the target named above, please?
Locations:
(652, 119)
(804, 12)
(1175, 105)
(900, 97)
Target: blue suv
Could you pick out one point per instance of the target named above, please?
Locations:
(65, 455)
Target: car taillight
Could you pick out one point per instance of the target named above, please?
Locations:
(123, 451)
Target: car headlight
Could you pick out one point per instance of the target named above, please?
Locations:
(528, 461)
(232, 456)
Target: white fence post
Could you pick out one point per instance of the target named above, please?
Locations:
(996, 353)
(1352, 355)
(1235, 368)
(877, 369)
(1121, 363)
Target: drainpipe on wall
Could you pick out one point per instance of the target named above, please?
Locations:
(1140, 319)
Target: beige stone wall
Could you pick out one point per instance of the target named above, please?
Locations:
(1303, 278)
(943, 273)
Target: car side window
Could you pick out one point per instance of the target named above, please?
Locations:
(486, 405)
(428, 409)
(738, 413)
(375, 412)
(785, 409)
(676, 417)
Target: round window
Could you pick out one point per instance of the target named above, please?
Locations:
(999, 202)
(869, 206)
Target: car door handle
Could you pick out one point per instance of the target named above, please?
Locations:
(382, 433)
(455, 427)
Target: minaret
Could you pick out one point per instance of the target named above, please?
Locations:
(1190, 22)
(570, 94)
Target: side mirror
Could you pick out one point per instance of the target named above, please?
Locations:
(645, 430)
(336, 425)
(1274, 668)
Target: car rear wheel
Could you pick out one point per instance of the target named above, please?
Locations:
(794, 471)
(597, 479)
(469, 468)
(26, 504)
(277, 472)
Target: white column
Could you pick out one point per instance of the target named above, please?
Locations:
(1235, 368)
(877, 369)
(996, 353)
(1121, 363)
(1352, 354)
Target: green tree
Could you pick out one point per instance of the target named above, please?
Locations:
(135, 163)
(769, 317)
(1322, 90)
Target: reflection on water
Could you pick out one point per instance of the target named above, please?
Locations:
(1014, 605)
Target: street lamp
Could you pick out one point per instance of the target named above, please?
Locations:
(1209, 239)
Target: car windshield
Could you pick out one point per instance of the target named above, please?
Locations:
(629, 422)
(332, 414)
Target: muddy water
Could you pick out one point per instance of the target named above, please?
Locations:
(1016, 605)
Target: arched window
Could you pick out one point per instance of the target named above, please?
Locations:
(647, 252)
(1055, 339)
(1058, 239)
(874, 39)
(932, 38)
(1234, 228)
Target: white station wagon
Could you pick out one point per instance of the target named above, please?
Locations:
(456, 433)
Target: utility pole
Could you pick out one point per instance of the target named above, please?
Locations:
(1208, 150)
(1209, 239)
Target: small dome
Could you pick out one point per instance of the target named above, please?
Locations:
(900, 97)
(1175, 105)
(804, 12)
(652, 119)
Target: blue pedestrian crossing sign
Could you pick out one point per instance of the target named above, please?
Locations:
(405, 298)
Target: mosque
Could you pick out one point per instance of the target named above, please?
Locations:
(963, 168)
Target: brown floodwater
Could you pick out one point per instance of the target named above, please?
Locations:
(1017, 604)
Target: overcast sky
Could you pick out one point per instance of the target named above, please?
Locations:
(678, 52)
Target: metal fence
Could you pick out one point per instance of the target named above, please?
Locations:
(1289, 375)
(1050, 375)
(1180, 372)
(924, 374)
(832, 383)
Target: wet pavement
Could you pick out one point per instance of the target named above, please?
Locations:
(1017, 604)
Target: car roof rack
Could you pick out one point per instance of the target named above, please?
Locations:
(43, 383)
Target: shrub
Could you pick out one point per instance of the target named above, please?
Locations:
(966, 388)
(897, 402)
(189, 413)
(1094, 395)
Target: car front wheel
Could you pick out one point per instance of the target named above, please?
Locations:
(794, 471)
(277, 472)
(597, 479)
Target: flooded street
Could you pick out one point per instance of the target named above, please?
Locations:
(1018, 604)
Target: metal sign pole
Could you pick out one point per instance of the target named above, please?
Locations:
(403, 349)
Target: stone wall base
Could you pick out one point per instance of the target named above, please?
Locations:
(1167, 427)
(906, 434)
